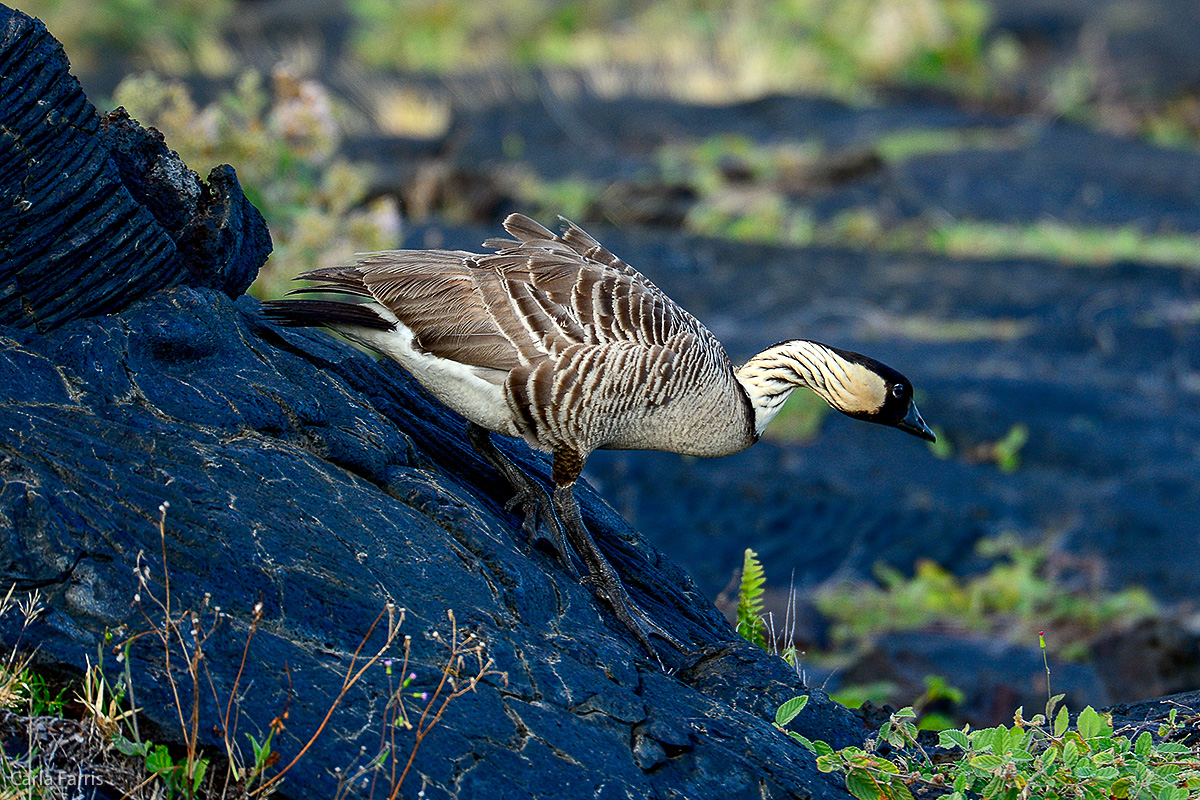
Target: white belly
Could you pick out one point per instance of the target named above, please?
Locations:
(459, 386)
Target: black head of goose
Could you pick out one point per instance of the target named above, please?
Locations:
(552, 338)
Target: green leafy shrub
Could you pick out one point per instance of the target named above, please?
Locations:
(1034, 758)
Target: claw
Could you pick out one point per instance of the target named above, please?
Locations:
(537, 517)
(634, 618)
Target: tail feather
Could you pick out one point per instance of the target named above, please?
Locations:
(302, 313)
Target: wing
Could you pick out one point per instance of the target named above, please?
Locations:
(437, 294)
(573, 275)
(534, 298)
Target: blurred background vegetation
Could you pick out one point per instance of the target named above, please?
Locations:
(689, 49)
(695, 49)
(250, 85)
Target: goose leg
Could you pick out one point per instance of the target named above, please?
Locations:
(530, 500)
(601, 575)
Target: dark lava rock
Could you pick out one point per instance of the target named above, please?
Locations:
(305, 476)
(1139, 49)
(1151, 659)
(97, 212)
(307, 479)
(1146, 715)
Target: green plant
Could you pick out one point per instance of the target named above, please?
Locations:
(173, 36)
(24, 689)
(183, 778)
(748, 216)
(1007, 451)
(23, 692)
(788, 712)
(1070, 245)
(283, 144)
(571, 197)
(16, 687)
(750, 625)
(700, 49)
(1017, 596)
(901, 145)
(757, 626)
(714, 164)
(855, 694)
(44, 699)
(1034, 758)
(937, 692)
(943, 448)
(938, 695)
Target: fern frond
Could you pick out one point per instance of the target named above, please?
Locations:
(750, 625)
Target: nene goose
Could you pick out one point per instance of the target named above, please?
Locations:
(554, 339)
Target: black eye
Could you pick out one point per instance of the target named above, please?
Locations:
(898, 390)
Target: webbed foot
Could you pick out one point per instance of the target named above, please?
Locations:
(530, 500)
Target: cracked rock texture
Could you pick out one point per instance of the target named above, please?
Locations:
(305, 476)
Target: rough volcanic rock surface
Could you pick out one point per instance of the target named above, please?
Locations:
(308, 477)
(97, 212)
(304, 475)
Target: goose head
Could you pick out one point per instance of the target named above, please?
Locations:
(884, 396)
(854, 384)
